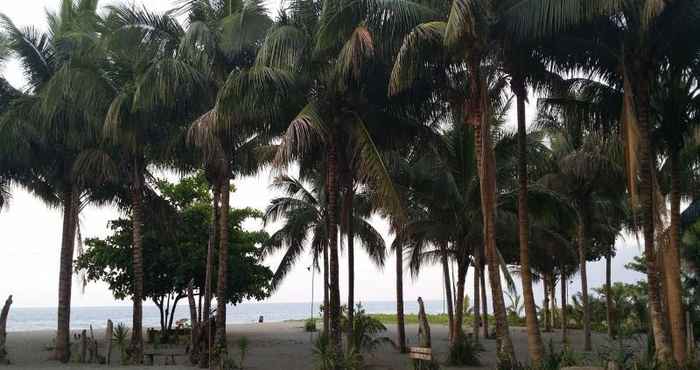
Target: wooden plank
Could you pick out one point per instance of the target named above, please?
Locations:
(427, 350)
(420, 356)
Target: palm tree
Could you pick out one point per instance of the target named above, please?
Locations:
(330, 80)
(583, 152)
(52, 136)
(304, 211)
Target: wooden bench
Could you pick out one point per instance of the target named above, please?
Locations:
(420, 353)
(150, 356)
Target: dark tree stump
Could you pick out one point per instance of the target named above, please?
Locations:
(3, 330)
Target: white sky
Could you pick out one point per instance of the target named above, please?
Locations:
(30, 232)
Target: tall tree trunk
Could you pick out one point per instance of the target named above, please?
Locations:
(137, 251)
(477, 296)
(448, 291)
(642, 76)
(608, 295)
(3, 330)
(349, 195)
(335, 330)
(582, 228)
(194, 348)
(534, 339)
(326, 300)
(457, 331)
(205, 346)
(552, 292)
(221, 349)
(478, 118)
(672, 266)
(484, 301)
(65, 276)
(401, 328)
(545, 309)
(564, 323)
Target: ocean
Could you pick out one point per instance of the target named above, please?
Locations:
(44, 318)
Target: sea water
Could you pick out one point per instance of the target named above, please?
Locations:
(44, 318)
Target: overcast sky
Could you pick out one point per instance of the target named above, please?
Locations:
(30, 232)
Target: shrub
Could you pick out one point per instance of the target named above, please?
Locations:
(310, 325)
(464, 352)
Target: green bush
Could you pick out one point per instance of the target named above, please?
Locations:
(310, 325)
(464, 352)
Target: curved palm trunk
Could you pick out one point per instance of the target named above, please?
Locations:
(672, 267)
(477, 296)
(137, 255)
(65, 276)
(205, 345)
(349, 195)
(487, 177)
(564, 323)
(534, 339)
(484, 302)
(457, 331)
(545, 308)
(448, 291)
(582, 248)
(647, 200)
(221, 348)
(326, 302)
(401, 328)
(335, 330)
(608, 295)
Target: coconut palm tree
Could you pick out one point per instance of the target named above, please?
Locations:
(52, 137)
(303, 211)
(629, 48)
(583, 151)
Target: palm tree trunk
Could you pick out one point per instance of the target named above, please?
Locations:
(65, 276)
(477, 296)
(457, 331)
(221, 349)
(137, 220)
(582, 249)
(326, 301)
(552, 292)
(448, 291)
(672, 266)
(564, 323)
(401, 328)
(487, 177)
(349, 195)
(545, 308)
(205, 347)
(335, 330)
(534, 339)
(647, 202)
(608, 295)
(484, 302)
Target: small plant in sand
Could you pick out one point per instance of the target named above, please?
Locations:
(120, 337)
(242, 350)
(310, 325)
(464, 352)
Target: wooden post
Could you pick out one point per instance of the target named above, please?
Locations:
(108, 341)
(83, 346)
(3, 332)
(423, 326)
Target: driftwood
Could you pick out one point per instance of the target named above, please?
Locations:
(108, 341)
(423, 326)
(3, 330)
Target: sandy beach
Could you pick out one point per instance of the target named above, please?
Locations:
(282, 345)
